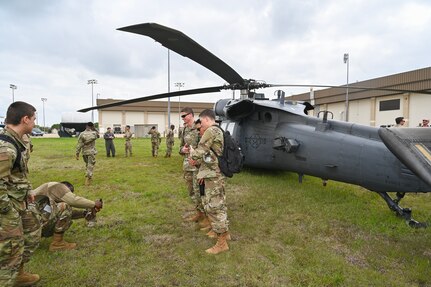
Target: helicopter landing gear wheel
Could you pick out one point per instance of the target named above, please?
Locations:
(405, 213)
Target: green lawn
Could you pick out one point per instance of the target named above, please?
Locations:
(283, 233)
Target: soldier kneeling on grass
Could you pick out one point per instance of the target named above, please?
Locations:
(55, 200)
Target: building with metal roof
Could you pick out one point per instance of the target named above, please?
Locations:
(376, 107)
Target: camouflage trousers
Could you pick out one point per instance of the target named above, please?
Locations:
(19, 238)
(155, 148)
(59, 222)
(169, 149)
(215, 204)
(90, 162)
(128, 148)
(193, 189)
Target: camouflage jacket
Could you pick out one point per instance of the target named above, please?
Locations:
(128, 136)
(170, 137)
(190, 137)
(14, 182)
(87, 142)
(210, 145)
(57, 192)
(155, 136)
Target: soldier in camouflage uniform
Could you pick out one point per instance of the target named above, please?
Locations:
(170, 141)
(128, 145)
(155, 141)
(210, 176)
(190, 138)
(55, 201)
(87, 143)
(19, 225)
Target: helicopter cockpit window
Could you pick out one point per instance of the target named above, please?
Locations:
(230, 128)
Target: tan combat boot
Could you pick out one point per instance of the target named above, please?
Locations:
(24, 278)
(195, 217)
(88, 181)
(205, 223)
(212, 234)
(59, 244)
(221, 244)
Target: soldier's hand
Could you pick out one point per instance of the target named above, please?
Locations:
(98, 205)
(30, 197)
(185, 149)
(192, 162)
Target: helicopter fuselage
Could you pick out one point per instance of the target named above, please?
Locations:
(280, 136)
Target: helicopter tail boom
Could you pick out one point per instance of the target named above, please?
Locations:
(412, 146)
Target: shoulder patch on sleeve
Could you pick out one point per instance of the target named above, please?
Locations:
(5, 164)
(4, 156)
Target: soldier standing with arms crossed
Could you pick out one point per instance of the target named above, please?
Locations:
(128, 145)
(190, 138)
(16, 221)
(211, 178)
(87, 143)
(170, 141)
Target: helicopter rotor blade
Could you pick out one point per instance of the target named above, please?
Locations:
(352, 87)
(158, 96)
(187, 47)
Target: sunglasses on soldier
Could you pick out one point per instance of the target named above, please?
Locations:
(185, 115)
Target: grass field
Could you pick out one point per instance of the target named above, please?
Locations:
(283, 233)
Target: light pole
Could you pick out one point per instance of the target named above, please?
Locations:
(43, 111)
(169, 90)
(179, 85)
(92, 82)
(13, 87)
(346, 113)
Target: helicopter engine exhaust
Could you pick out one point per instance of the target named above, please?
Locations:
(233, 109)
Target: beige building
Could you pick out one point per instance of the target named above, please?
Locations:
(143, 115)
(378, 108)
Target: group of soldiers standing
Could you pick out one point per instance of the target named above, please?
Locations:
(26, 214)
(156, 140)
(87, 145)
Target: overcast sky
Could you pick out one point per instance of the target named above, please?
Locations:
(50, 49)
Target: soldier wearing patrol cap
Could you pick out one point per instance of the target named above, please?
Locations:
(18, 224)
(190, 138)
(211, 180)
(87, 144)
(170, 141)
(155, 141)
(128, 144)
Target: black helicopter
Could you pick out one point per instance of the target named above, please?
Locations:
(279, 134)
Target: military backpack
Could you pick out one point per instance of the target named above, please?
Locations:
(231, 160)
(17, 163)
